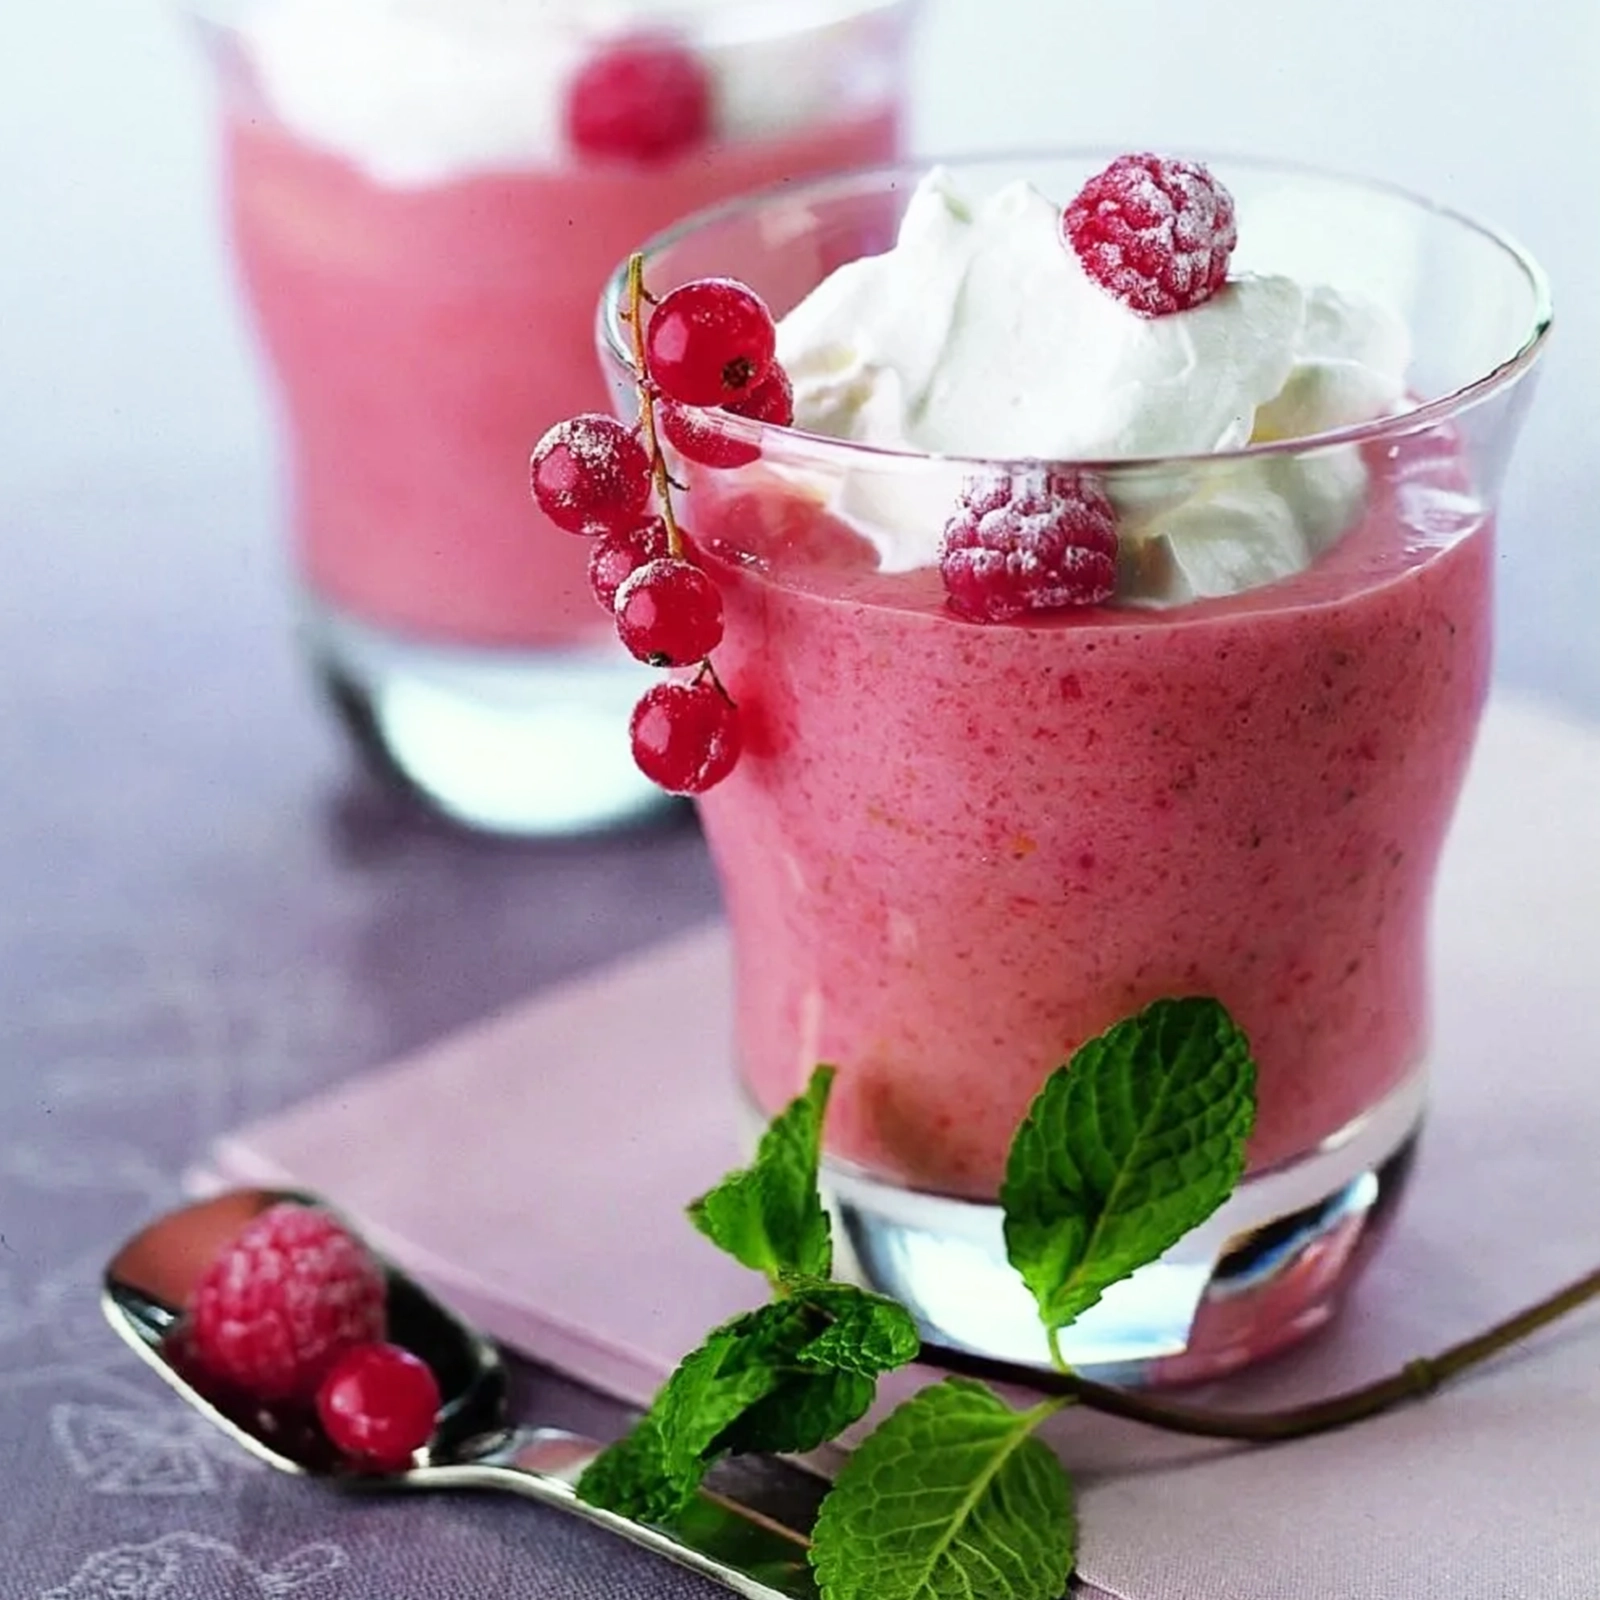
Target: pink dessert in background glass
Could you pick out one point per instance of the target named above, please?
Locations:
(424, 200)
(952, 850)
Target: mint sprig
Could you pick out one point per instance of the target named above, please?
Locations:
(953, 1496)
(768, 1216)
(1124, 1151)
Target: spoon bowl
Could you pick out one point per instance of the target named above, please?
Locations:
(150, 1280)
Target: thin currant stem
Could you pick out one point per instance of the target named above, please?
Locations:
(662, 480)
(1414, 1381)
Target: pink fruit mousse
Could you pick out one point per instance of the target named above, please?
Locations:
(951, 852)
(1027, 748)
(421, 332)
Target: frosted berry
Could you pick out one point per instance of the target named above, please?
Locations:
(281, 1304)
(591, 474)
(642, 100)
(377, 1405)
(709, 342)
(693, 433)
(1154, 232)
(1033, 541)
(685, 736)
(614, 556)
(669, 613)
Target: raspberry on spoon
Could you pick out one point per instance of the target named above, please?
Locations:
(378, 1404)
(1154, 232)
(590, 474)
(283, 1302)
(709, 342)
(643, 100)
(685, 736)
(669, 613)
(1038, 540)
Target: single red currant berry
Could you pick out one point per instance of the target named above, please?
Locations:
(287, 1297)
(1156, 233)
(693, 431)
(685, 736)
(669, 613)
(378, 1406)
(614, 556)
(641, 100)
(591, 474)
(709, 342)
(1037, 540)
(771, 400)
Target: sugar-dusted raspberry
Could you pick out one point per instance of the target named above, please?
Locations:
(644, 100)
(692, 430)
(591, 474)
(1153, 231)
(279, 1306)
(685, 736)
(710, 342)
(613, 557)
(377, 1405)
(1035, 540)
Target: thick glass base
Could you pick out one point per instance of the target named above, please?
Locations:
(1266, 1270)
(528, 744)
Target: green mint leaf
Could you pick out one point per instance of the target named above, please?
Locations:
(738, 1366)
(805, 1410)
(630, 1478)
(768, 1216)
(857, 1337)
(1124, 1151)
(653, 1473)
(866, 1333)
(950, 1498)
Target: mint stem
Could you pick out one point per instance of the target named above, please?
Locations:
(1414, 1381)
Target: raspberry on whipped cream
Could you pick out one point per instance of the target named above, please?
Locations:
(979, 335)
(423, 91)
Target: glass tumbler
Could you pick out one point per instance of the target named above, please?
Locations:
(953, 851)
(424, 197)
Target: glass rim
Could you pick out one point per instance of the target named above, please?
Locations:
(732, 20)
(800, 445)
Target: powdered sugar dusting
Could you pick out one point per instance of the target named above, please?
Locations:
(1155, 232)
(1033, 541)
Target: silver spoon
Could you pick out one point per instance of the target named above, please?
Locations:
(473, 1447)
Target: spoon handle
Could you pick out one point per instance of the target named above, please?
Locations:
(744, 1550)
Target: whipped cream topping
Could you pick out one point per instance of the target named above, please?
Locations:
(420, 91)
(979, 334)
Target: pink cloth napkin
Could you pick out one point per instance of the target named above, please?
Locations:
(534, 1170)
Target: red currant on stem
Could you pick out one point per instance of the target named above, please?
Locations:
(615, 556)
(669, 613)
(686, 735)
(710, 342)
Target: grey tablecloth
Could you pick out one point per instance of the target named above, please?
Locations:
(202, 916)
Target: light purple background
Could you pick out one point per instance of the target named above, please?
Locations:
(202, 916)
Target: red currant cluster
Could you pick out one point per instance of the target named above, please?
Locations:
(293, 1314)
(710, 344)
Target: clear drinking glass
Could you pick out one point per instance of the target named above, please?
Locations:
(952, 851)
(421, 226)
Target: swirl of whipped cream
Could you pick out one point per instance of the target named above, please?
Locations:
(421, 91)
(979, 334)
